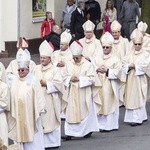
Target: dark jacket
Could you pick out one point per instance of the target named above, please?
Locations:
(94, 10)
(77, 20)
(54, 38)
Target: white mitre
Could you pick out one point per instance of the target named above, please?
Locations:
(46, 48)
(76, 48)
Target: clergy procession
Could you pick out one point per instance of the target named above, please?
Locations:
(84, 83)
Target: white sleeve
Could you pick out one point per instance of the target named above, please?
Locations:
(139, 71)
(50, 87)
(111, 75)
(1, 110)
(55, 64)
(125, 68)
(67, 81)
(10, 76)
(84, 82)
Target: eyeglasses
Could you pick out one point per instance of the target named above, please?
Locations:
(21, 70)
(137, 44)
(76, 58)
(105, 47)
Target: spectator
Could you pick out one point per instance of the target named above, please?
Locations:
(66, 14)
(47, 25)
(127, 17)
(93, 11)
(77, 20)
(118, 6)
(110, 11)
(54, 37)
(106, 24)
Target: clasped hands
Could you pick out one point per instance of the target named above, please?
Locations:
(61, 64)
(43, 83)
(131, 66)
(102, 69)
(74, 79)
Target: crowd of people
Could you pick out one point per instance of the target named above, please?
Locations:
(84, 81)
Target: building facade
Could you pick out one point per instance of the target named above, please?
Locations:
(16, 21)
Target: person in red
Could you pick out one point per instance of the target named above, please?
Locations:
(106, 24)
(47, 25)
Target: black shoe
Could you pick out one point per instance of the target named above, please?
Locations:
(63, 119)
(88, 135)
(145, 120)
(66, 138)
(103, 131)
(139, 124)
(52, 148)
(133, 124)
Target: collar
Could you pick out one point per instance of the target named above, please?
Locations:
(44, 68)
(64, 52)
(107, 56)
(90, 40)
(138, 52)
(79, 10)
(117, 41)
(80, 63)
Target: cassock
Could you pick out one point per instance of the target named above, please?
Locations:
(53, 94)
(121, 47)
(4, 106)
(27, 103)
(63, 56)
(108, 113)
(80, 110)
(2, 72)
(91, 48)
(136, 86)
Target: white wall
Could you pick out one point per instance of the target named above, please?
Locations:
(32, 30)
(1, 21)
(9, 24)
(28, 29)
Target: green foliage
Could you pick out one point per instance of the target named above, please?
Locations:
(146, 13)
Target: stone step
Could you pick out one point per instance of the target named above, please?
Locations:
(4, 54)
